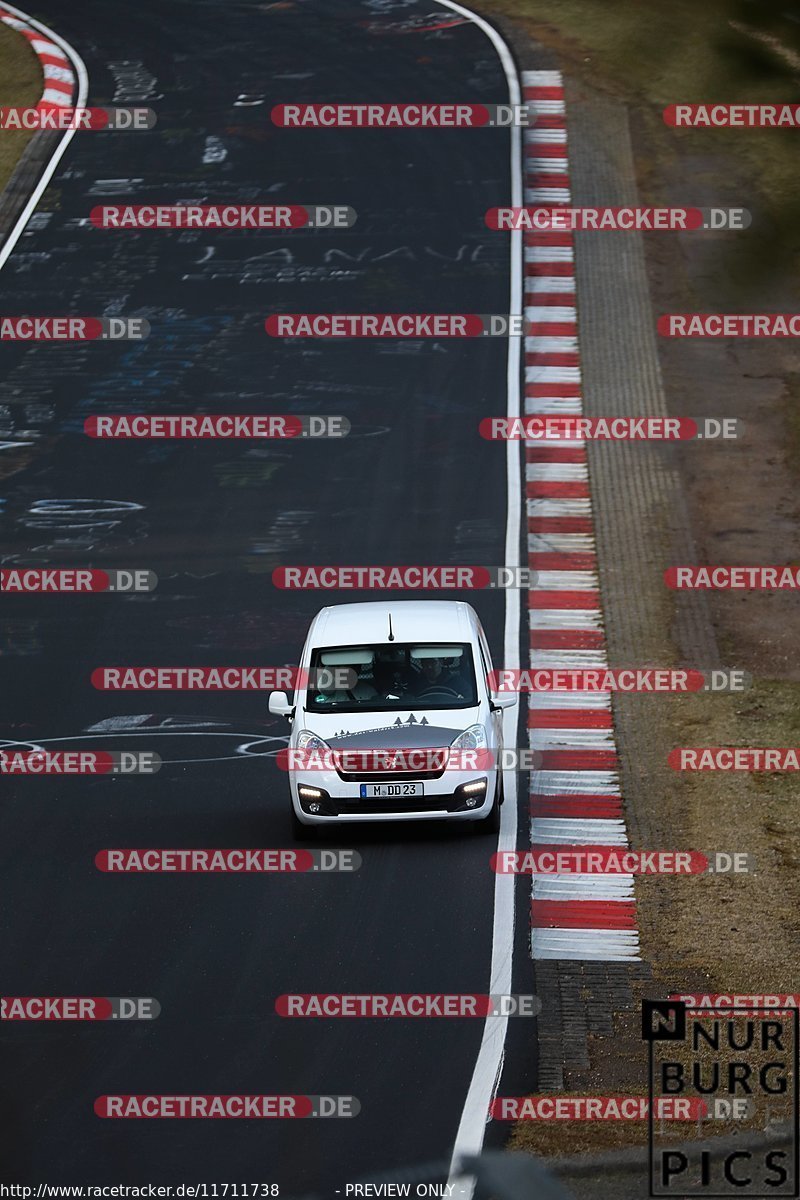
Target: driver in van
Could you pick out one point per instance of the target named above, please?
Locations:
(437, 675)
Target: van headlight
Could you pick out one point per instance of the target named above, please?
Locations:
(469, 751)
(306, 740)
(473, 738)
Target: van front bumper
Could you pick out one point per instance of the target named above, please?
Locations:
(443, 799)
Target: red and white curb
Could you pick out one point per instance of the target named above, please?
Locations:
(575, 796)
(60, 80)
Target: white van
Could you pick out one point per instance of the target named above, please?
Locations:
(393, 718)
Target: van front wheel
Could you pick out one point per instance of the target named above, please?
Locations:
(491, 824)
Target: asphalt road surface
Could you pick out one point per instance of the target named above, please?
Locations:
(412, 484)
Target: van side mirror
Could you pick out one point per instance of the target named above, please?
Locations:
(505, 700)
(280, 706)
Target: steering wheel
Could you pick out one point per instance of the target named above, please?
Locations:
(438, 689)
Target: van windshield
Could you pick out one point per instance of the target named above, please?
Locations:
(415, 675)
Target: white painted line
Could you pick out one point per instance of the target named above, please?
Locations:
(568, 660)
(542, 344)
(606, 945)
(560, 543)
(546, 108)
(551, 312)
(557, 165)
(566, 619)
(553, 406)
(547, 195)
(575, 738)
(546, 254)
(583, 887)
(580, 700)
(489, 1063)
(583, 701)
(62, 74)
(53, 96)
(577, 831)
(557, 472)
(626, 937)
(541, 79)
(566, 581)
(543, 374)
(44, 47)
(574, 783)
(546, 137)
(546, 506)
(549, 283)
(555, 443)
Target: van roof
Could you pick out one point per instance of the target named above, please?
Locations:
(412, 621)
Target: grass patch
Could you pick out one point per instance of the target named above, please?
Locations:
(651, 55)
(757, 916)
(708, 934)
(20, 87)
(792, 410)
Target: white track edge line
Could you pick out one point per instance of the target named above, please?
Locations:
(489, 1063)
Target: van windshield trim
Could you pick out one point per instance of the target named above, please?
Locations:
(391, 677)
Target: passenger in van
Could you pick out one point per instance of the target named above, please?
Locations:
(390, 679)
(363, 690)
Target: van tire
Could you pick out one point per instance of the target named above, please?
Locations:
(490, 824)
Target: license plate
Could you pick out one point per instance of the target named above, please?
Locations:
(391, 791)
